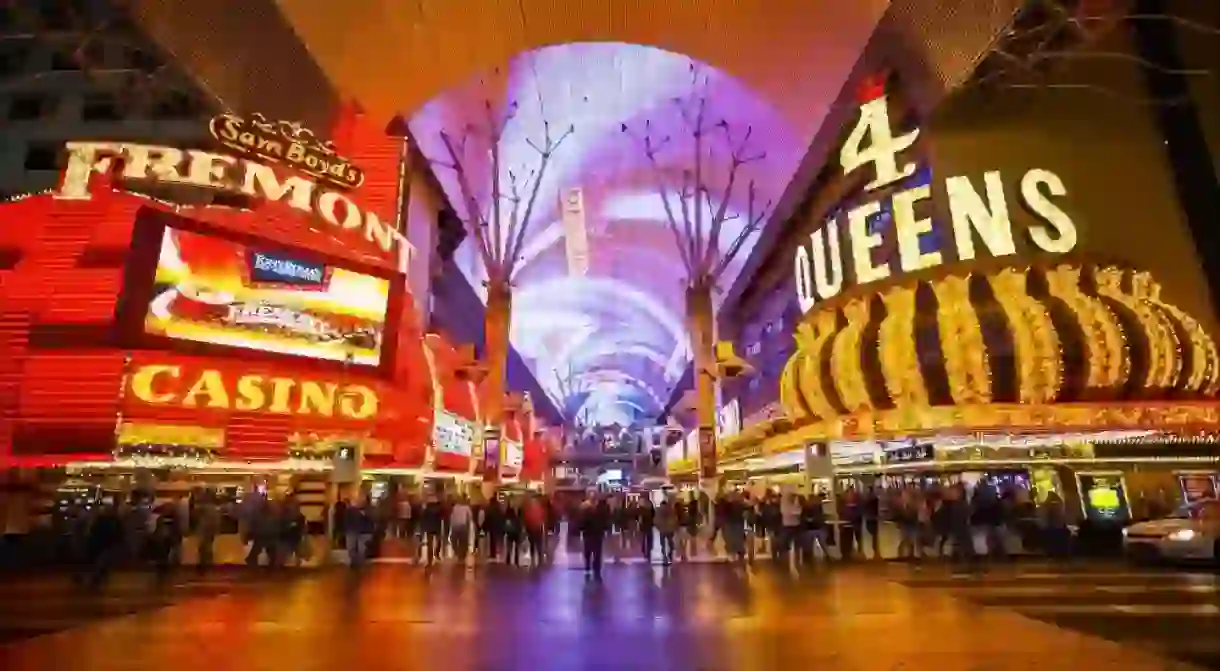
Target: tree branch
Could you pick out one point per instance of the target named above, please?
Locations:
(650, 152)
(548, 149)
(737, 159)
(754, 221)
(698, 218)
(496, 132)
(688, 226)
(476, 222)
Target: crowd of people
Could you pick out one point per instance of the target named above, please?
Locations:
(432, 527)
(950, 521)
(138, 531)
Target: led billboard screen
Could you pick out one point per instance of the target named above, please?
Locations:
(216, 291)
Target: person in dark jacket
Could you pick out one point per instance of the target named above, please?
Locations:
(493, 527)
(813, 528)
(988, 517)
(430, 525)
(104, 545)
(514, 532)
(595, 522)
(648, 517)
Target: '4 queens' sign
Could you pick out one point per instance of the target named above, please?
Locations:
(983, 217)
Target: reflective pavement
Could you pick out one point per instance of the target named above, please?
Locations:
(1171, 611)
(700, 616)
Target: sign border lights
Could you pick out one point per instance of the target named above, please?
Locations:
(819, 265)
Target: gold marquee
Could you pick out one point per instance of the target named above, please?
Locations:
(1028, 347)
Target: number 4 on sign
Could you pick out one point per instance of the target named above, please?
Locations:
(883, 148)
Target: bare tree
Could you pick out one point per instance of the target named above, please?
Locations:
(693, 217)
(499, 241)
(499, 228)
(1047, 35)
(697, 221)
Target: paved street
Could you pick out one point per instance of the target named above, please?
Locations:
(701, 616)
(1175, 612)
(39, 604)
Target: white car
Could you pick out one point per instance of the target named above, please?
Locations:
(1192, 533)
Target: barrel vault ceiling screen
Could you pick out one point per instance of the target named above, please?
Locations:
(598, 307)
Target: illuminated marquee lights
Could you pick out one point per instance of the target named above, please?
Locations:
(1108, 361)
(897, 350)
(1165, 362)
(222, 172)
(845, 358)
(961, 342)
(166, 385)
(811, 339)
(819, 268)
(1034, 335)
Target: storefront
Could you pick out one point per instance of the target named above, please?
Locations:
(1001, 315)
(154, 338)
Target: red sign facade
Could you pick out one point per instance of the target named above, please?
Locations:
(66, 358)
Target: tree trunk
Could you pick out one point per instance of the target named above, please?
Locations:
(701, 325)
(496, 323)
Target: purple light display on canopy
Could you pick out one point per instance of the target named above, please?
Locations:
(612, 321)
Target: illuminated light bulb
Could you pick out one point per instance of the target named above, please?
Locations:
(789, 391)
(812, 337)
(961, 341)
(1109, 364)
(1038, 354)
(1164, 363)
(1204, 359)
(897, 350)
(845, 358)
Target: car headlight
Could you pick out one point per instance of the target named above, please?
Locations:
(1181, 535)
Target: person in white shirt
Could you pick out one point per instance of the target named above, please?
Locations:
(790, 521)
(460, 518)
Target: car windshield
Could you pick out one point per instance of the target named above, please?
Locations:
(1209, 509)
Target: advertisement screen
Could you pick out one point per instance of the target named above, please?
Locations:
(452, 434)
(211, 290)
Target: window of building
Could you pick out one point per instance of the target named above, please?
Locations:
(13, 59)
(100, 107)
(95, 53)
(31, 106)
(42, 156)
(64, 60)
(176, 105)
(55, 16)
(142, 60)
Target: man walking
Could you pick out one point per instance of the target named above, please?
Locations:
(595, 521)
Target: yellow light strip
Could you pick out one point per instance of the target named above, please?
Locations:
(789, 391)
(961, 342)
(811, 340)
(845, 358)
(903, 423)
(897, 350)
(1037, 342)
(1109, 364)
(967, 464)
(1164, 361)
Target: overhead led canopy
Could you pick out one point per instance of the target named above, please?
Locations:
(598, 312)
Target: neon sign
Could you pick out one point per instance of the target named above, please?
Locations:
(819, 266)
(210, 389)
(209, 170)
(286, 142)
